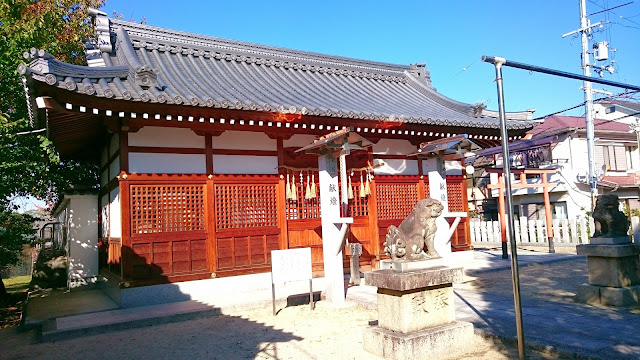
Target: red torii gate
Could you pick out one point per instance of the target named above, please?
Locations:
(544, 173)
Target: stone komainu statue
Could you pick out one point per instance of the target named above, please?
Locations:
(609, 220)
(417, 231)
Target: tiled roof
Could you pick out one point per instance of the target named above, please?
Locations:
(142, 63)
(626, 181)
(555, 124)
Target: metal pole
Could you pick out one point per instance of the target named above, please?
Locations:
(519, 65)
(588, 103)
(509, 202)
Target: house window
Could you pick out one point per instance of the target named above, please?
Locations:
(613, 155)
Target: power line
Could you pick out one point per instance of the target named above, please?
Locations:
(620, 16)
(624, 94)
(609, 9)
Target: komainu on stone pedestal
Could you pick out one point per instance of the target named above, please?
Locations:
(609, 220)
(409, 240)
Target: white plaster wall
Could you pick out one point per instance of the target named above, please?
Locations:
(240, 164)
(82, 253)
(115, 224)
(144, 163)
(430, 164)
(244, 140)
(115, 144)
(104, 214)
(453, 168)
(104, 157)
(114, 167)
(299, 140)
(599, 111)
(563, 151)
(166, 137)
(104, 177)
(393, 147)
(396, 167)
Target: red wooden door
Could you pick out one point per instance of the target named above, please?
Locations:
(246, 223)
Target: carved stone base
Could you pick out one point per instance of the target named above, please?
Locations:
(416, 314)
(610, 296)
(614, 274)
(433, 342)
(406, 265)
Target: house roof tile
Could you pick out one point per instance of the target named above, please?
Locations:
(156, 65)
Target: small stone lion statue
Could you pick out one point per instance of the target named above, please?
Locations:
(408, 241)
(609, 220)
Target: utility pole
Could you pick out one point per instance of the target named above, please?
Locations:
(584, 30)
(588, 102)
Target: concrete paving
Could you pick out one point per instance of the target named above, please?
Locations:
(569, 328)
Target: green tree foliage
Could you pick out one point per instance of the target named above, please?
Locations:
(15, 231)
(29, 163)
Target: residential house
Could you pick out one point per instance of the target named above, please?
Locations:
(560, 143)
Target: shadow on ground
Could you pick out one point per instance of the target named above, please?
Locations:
(551, 317)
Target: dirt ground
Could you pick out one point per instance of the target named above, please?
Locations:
(295, 333)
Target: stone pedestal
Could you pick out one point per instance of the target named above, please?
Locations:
(416, 314)
(613, 266)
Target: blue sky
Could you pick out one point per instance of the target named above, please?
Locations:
(447, 35)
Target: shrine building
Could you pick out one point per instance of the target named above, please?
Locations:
(196, 138)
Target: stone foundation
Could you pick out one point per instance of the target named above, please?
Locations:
(614, 272)
(416, 313)
(433, 342)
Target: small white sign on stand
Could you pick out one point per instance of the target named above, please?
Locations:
(290, 265)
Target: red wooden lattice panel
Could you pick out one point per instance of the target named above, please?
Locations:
(245, 206)
(454, 196)
(358, 206)
(427, 191)
(395, 201)
(166, 208)
(303, 208)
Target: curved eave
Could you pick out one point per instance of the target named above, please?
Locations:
(259, 87)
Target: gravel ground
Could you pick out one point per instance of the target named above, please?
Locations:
(296, 332)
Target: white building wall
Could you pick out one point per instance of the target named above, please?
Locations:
(299, 140)
(79, 215)
(155, 163)
(115, 225)
(393, 147)
(241, 164)
(244, 140)
(104, 214)
(395, 167)
(114, 145)
(114, 167)
(155, 136)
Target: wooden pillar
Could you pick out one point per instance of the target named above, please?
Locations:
(281, 199)
(124, 150)
(421, 192)
(127, 256)
(373, 218)
(208, 151)
(210, 215)
(547, 211)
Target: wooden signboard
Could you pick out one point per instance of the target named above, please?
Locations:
(290, 265)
